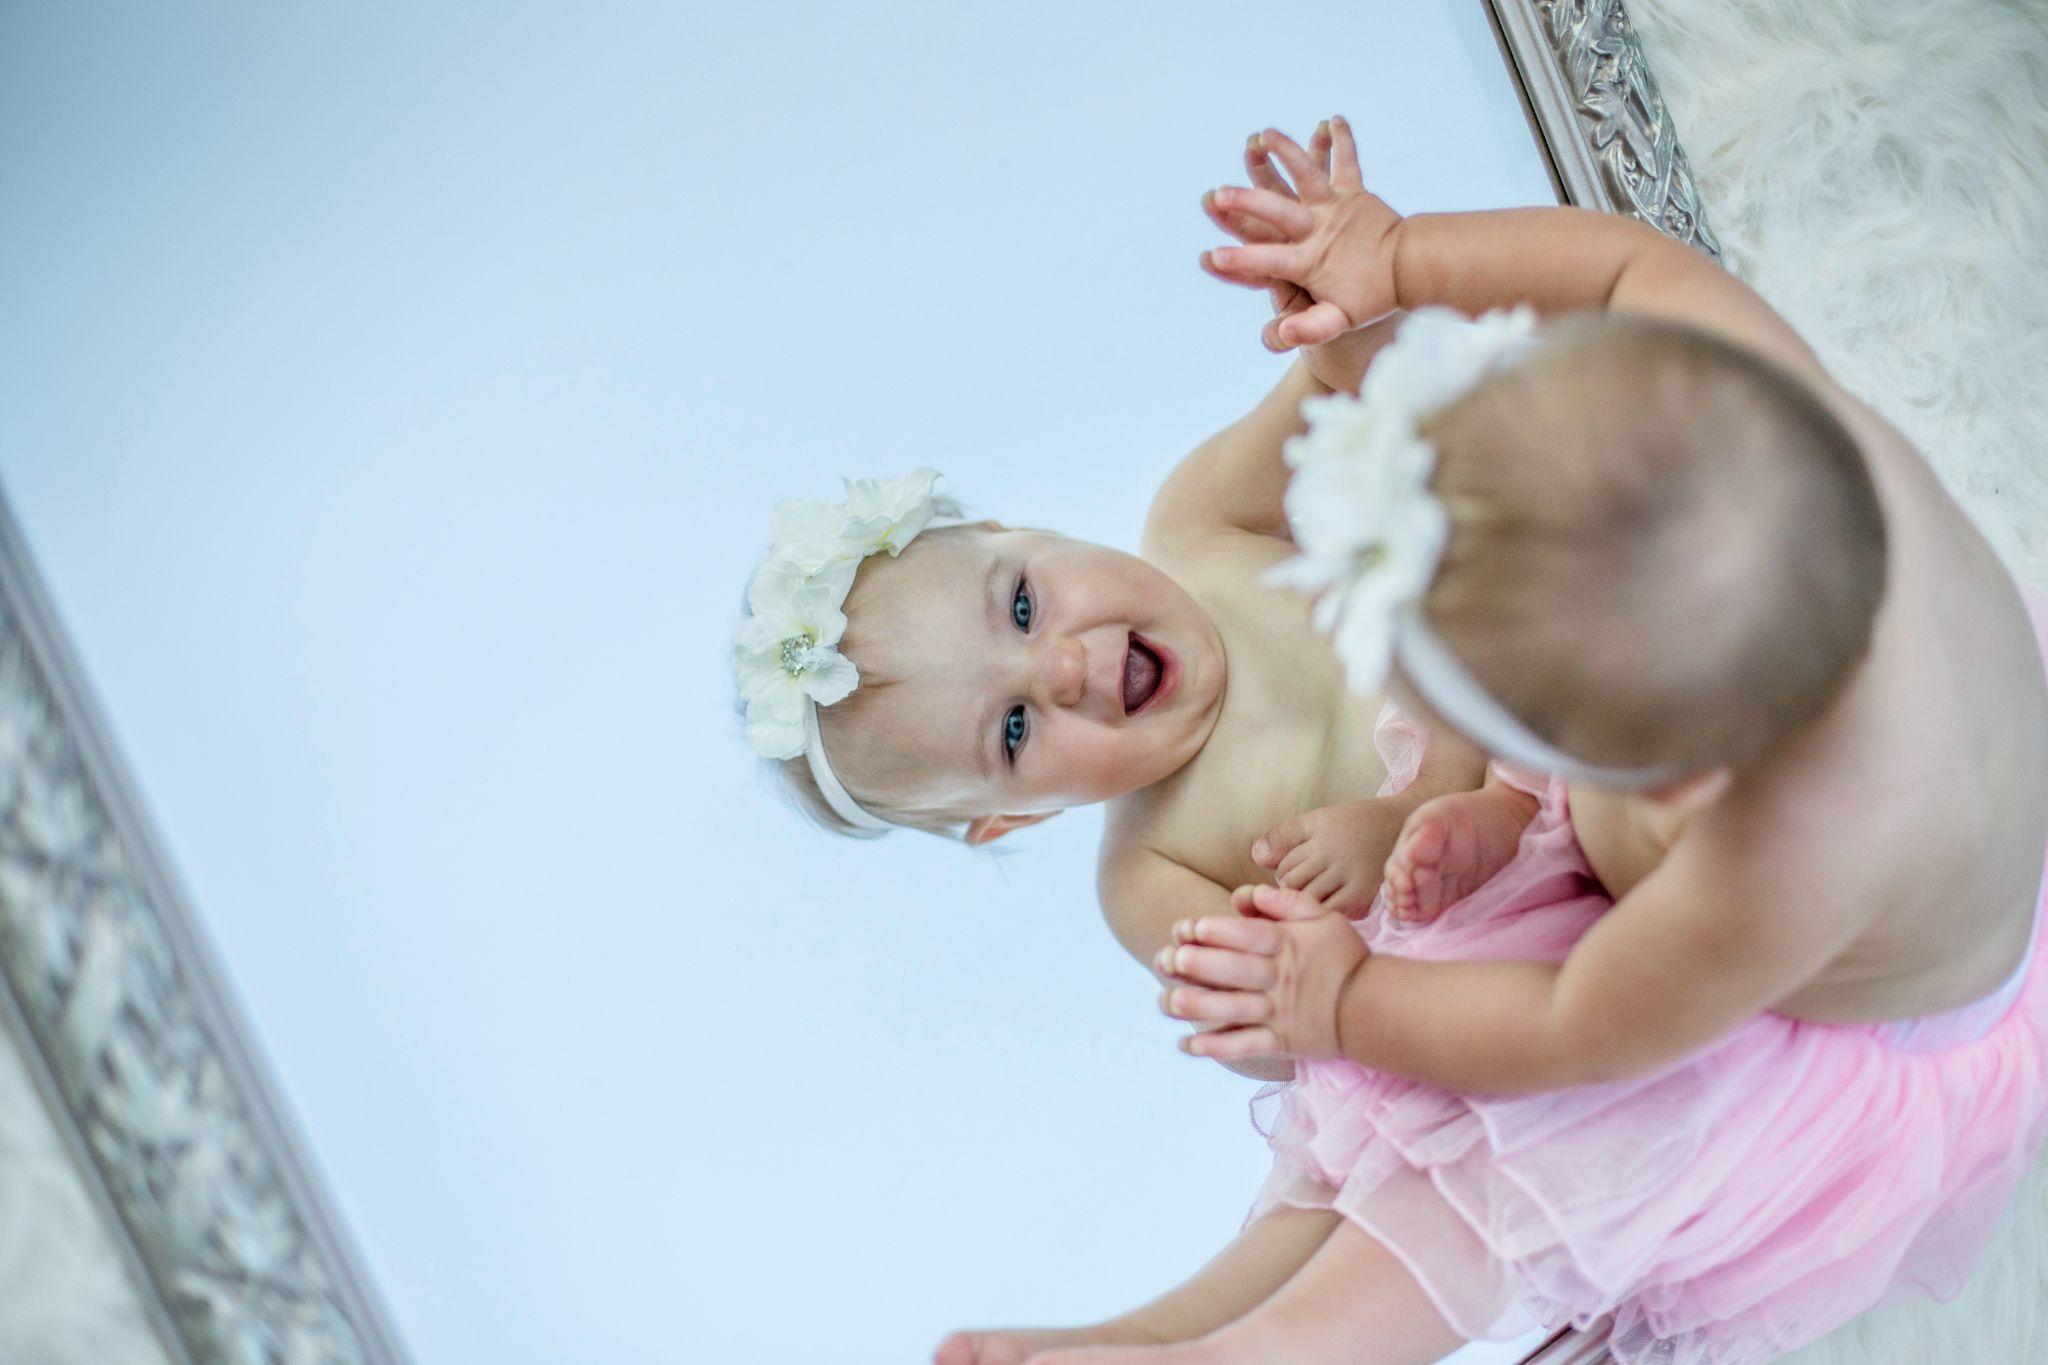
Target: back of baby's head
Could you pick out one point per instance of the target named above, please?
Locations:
(1664, 552)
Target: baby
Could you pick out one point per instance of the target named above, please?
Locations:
(1681, 567)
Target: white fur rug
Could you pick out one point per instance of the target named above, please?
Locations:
(1878, 170)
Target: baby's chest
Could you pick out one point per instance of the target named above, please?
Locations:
(1281, 749)
(1291, 736)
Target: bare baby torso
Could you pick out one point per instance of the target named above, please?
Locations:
(1290, 737)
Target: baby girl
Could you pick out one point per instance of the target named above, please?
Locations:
(1673, 565)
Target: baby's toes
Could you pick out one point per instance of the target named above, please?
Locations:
(1429, 889)
(1422, 843)
(1398, 887)
(1300, 868)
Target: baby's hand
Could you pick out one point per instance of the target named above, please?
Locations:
(1268, 978)
(1337, 854)
(1288, 298)
(1328, 235)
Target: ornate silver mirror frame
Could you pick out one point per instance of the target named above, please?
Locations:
(149, 1072)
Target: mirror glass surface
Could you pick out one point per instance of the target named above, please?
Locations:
(393, 398)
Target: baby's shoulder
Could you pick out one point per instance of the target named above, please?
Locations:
(1201, 552)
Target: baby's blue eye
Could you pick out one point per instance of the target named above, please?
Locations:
(1020, 606)
(1013, 732)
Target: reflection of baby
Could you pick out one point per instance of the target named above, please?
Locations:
(1724, 601)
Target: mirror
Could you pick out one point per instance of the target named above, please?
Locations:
(395, 403)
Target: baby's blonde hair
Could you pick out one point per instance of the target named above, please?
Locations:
(856, 769)
(1664, 551)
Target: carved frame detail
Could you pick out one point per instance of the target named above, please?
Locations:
(1595, 109)
(148, 1069)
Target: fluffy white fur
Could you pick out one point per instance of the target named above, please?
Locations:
(1878, 170)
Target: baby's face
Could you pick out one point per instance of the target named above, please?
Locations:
(1028, 672)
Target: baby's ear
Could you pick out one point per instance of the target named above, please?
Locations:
(1689, 795)
(988, 828)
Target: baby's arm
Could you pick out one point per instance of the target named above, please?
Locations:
(1236, 478)
(1686, 956)
(1358, 260)
(1143, 893)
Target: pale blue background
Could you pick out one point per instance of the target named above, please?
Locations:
(394, 396)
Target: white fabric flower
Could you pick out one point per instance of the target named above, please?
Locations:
(807, 535)
(875, 515)
(786, 652)
(1369, 530)
(887, 514)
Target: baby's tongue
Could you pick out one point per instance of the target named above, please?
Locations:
(1141, 676)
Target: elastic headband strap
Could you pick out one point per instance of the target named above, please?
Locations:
(1456, 695)
(836, 796)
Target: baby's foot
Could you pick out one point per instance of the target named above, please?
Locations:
(1015, 1345)
(1200, 1352)
(1451, 845)
(1334, 853)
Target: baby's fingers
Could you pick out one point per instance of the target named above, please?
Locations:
(1284, 215)
(1283, 903)
(1309, 181)
(1344, 172)
(1311, 326)
(1241, 226)
(1218, 967)
(1230, 1044)
(1263, 261)
(1245, 279)
(1199, 1005)
(1258, 163)
(1269, 335)
(1256, 935)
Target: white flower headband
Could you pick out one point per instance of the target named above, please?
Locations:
(1371, 534)
(785, 654)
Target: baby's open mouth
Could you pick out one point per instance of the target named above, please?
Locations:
(1142, 672)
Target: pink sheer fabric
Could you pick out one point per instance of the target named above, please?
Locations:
(1721, 1211)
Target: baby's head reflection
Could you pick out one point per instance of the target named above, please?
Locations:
(1006, 675)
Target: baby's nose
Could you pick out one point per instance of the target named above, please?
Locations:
(1062, 672)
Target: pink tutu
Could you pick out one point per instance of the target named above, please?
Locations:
(1726, 1209)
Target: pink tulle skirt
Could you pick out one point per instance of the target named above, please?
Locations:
(1726, 1209)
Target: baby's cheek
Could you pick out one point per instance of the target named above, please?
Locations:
(1097, 770)
(1122, 767)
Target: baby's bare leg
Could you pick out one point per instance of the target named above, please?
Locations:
(1354, 1301)
(1259, 1261)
